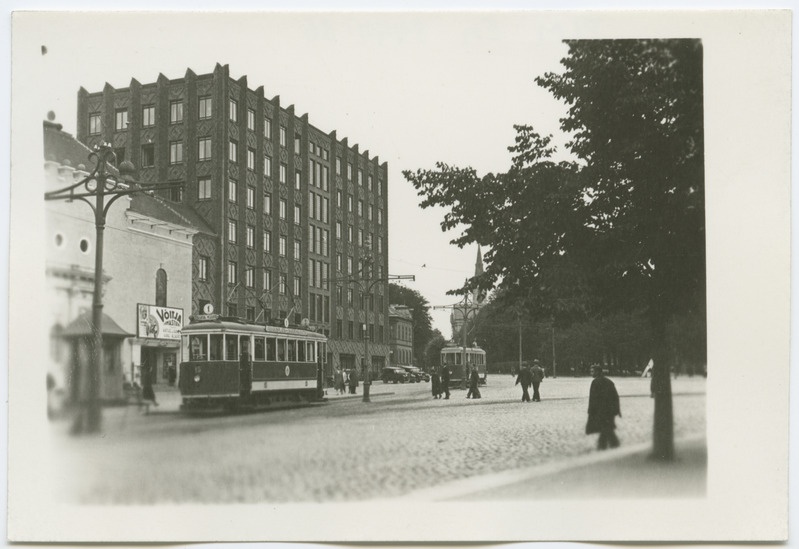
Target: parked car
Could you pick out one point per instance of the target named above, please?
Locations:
(391, 374)
(415, 374)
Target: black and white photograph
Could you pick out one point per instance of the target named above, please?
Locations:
(399, 276)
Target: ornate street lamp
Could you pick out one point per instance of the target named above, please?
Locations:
(99, 190)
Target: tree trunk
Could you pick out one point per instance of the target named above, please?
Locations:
(663, 427)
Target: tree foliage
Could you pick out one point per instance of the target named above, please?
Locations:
(619, 228)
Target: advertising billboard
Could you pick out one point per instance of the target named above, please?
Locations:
(153, 322)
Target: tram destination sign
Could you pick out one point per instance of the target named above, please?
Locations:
(154, 322)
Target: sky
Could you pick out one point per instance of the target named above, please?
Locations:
(413, 89)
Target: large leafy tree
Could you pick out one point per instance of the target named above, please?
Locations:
(620, 225)
(420, 312)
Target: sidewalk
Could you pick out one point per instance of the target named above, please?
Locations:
(620, 473)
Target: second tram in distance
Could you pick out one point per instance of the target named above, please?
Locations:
(452, 357)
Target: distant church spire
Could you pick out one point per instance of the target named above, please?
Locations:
(478, 295)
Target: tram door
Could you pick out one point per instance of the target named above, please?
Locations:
(245, 366)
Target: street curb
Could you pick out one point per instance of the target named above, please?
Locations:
(350, 397)
(464, 487)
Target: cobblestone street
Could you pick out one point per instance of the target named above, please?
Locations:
(344, 449)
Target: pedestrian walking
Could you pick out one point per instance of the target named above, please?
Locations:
(525, 379)
(538, 376)
(445, 381)
(338, 381)
(435, 382)
(474, 381)
(147, 392)
(353, 382)
(603, 407)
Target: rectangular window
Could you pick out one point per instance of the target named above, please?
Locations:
(251, 197)
(250, 313)
(251, 159)
(251, 119)
(297, 179)
(349, 203)
(267, 203)
(205, 107)
(338, 199)
(204, 188)
(175, 111)
(379, 217)
(339, 262)
(233, 110)
(338, 229)
(310, 172)
(249, 277)
(325, 275)
(231, 231)
(339, 328)
(148, 116)
(325, 177)
(282, 208)
(267, 127)
(148, 155)
(267, 280)
(121, 120)
(232, 190)
(232, 272)
(349, 297)
(360, 208)
(370, 183)
(310, 147)
(268, 242)
(95, 124)
(283, 173)
(349, 233)
(360, 237)
(176, 152)
(268, 166)
(349, 171)
(349, 264)
(311, 281)
(296, 143)
(233, 150)
(204, 149)
(176, 194)
(360, 177)
(379, 187)
(281, 284)
(202, 273)
(282, 248)
(325, 242)
(379, 244)
(250, 236)
(325, 204)
(296, 214)
(297, 244)
(282, 136)
(297, 281)
(317, 174)
(338, 165)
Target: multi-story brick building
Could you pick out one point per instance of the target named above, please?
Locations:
(297, 211)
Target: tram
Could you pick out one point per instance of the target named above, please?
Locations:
(229, 363)
(452, 356)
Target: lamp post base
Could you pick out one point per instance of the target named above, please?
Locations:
(366, 385)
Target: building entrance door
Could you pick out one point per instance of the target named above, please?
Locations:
(149, 366)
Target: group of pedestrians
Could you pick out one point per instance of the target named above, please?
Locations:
(527, 377)
(345, 380)
(439, 382)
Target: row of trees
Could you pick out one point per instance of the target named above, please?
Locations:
(618, 227)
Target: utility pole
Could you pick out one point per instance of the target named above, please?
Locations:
(554, 367)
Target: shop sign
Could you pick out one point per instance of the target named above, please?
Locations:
(153, 322)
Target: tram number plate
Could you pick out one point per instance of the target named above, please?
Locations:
(265, 382)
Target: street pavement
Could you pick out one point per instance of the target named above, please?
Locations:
(404, 444)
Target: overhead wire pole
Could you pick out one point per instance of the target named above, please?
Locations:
(101, 184)
(366, 284)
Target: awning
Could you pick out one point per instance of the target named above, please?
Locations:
(83, 326)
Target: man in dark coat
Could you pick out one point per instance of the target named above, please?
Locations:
(603, 407)
(537, 377)
(435, 379)
(445, 380)
(474, 381)
(353, 381)
(525, 377)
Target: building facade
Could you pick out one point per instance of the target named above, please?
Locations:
(401, 340)
(147, 261)
(299, 216)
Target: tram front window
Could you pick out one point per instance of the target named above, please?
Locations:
(281, 349)
(270, 349)
(198, 347)
(231, 347)
(292, 347)
(215, 351)
(259, 349)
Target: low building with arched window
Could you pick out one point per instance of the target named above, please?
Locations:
(147, 272)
